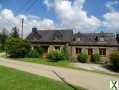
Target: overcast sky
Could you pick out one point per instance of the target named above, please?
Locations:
(80, 15)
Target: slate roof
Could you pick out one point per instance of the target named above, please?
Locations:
(88, 39)
(94, 39)
(51, 35)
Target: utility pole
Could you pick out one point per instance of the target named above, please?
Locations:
(22, 27)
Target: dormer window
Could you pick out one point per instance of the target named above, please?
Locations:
(78, 39)
(96, 38)
(102, 39)
(57, 36)
(36, 37)
(89, 38)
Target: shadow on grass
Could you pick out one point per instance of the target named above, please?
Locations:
(111, 68)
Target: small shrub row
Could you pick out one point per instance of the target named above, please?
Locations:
(83, 57)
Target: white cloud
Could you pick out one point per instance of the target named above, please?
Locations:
(110, 5)
(8, 20)
(111, 18)
(72, 15)
(111, 21)
(7, 14)
(48, 3)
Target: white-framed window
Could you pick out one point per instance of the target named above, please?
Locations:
(78, 39)
(101, 39)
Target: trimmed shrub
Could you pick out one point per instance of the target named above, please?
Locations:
(56, 55)
(17, 47)
(83, 57)
(96, 58)
(32, 54)
(114, 59)
(40, 50)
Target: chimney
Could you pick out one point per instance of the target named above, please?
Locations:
(34, 29)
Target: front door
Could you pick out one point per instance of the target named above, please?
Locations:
(45, 54)
(90, 53)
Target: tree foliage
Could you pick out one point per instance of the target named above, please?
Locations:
(114, 58)
(17, 47)
(15, 32)
(3, 37)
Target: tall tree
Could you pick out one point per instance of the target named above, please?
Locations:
(117, 37)
(3, 37)
(15, 32)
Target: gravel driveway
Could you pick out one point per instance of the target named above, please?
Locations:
(90, 80)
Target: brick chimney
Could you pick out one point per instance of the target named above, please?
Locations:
(34, 29)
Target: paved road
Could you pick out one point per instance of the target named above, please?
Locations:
(90, 80)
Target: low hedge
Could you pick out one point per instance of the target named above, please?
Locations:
(114, 59)
(56, 55)
(32, 54)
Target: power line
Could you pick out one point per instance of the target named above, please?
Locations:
(30, 6)
(22, 8)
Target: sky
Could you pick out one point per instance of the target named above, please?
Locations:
(79, 15)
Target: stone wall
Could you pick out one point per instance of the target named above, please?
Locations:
(72, 50)
(95, 50)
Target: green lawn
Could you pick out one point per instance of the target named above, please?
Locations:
(62, 63)
(11, 79)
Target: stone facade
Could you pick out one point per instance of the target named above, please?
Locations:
(75, 43)
(95, 49)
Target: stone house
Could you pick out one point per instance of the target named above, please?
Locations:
(75, 43)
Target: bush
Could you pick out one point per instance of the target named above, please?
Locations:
(114, 57)
(65, 52)
(40, 50)
(17, 47)
(96, 58)
(56, 55)
(83, 57)
(32, 54)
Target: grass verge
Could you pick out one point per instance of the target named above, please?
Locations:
(63, 63)
(11, 79)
